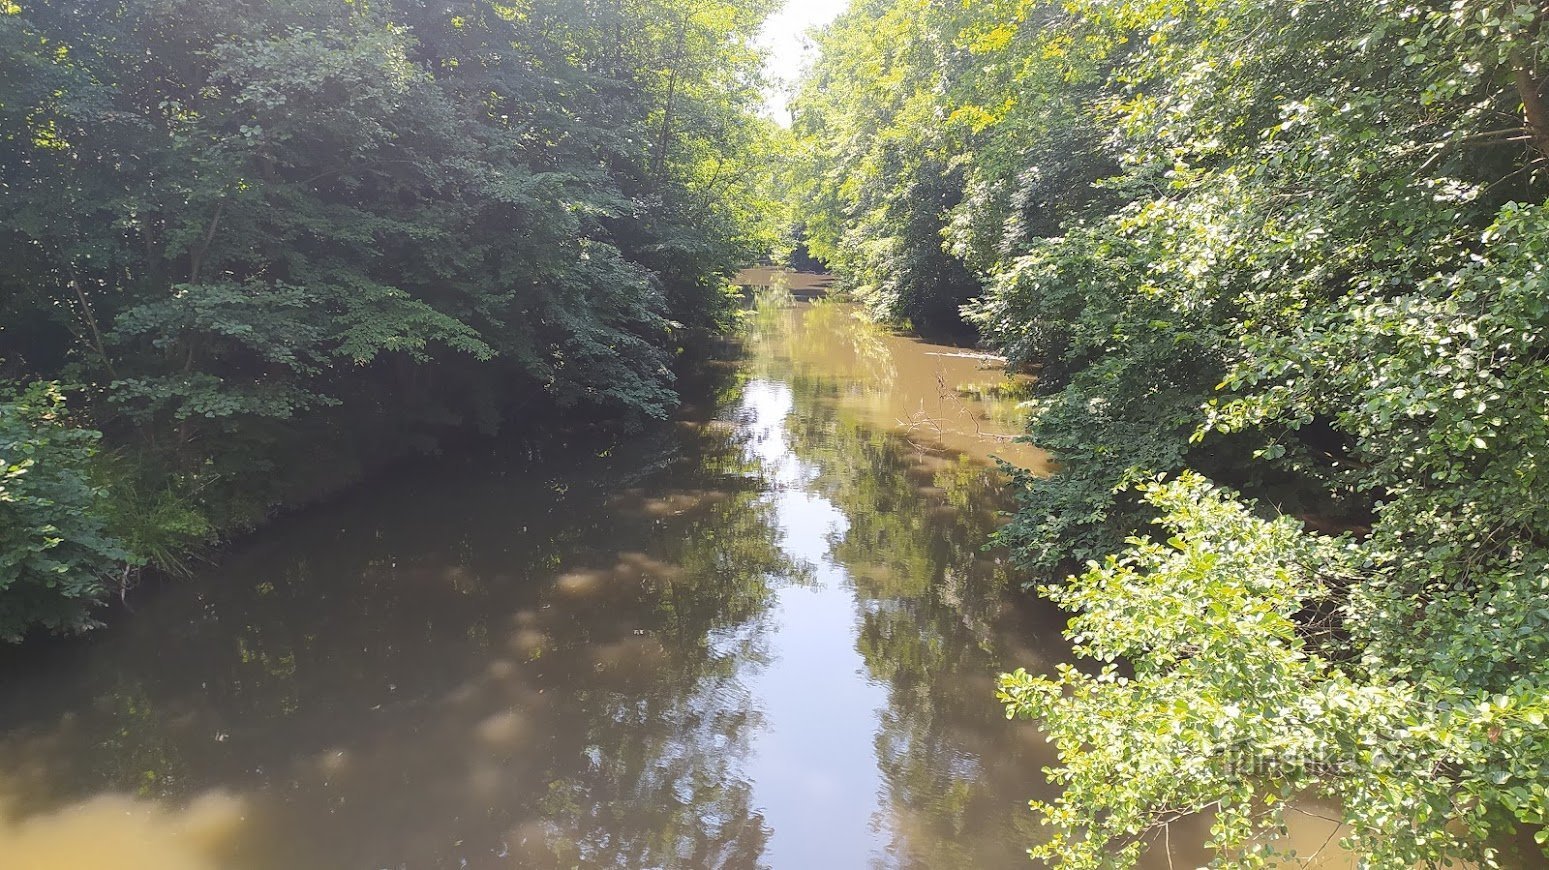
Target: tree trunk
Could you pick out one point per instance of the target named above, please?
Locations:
(672, 89)
(1534, 112)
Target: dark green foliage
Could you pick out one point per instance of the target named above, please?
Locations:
(280, 242)
(57, 559)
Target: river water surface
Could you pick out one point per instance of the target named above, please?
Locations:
(763, 636)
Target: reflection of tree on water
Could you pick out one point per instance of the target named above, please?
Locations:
(546, 662)
(474, 675)
(672, 757)
(930, 602)
(823, 340)
(946, 396)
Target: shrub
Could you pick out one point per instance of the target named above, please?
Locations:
(58, 561)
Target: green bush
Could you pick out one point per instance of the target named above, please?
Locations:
(58, 561)
(1240, 702)
(282, 244)
(154, 517)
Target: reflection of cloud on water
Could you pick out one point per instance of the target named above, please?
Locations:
(123, 833)
(765, 405)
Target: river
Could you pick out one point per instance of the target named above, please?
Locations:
(763, 635)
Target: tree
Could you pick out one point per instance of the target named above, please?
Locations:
(1290, 247)
(269, 239)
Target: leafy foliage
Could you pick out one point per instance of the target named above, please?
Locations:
(877, 180)
(57, 559)
(1296, 248)
(1234, 706)
(278, 243)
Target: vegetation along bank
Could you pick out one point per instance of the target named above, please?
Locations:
(249, 250)
(1280, 270)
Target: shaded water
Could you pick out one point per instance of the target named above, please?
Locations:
(766, 635)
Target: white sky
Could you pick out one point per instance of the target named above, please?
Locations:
(784, 35)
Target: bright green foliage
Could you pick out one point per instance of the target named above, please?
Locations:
(1446, 392)
(1293, 246)
(57, 559)
(280, 242)
(1235, 708)
(877, 178)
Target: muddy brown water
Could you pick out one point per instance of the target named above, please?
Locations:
(787, 279)
(763, 636)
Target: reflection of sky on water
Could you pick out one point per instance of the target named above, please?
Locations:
(813, 764)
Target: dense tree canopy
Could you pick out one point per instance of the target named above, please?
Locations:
(1296, 248)
(880, 175)
(262, 244)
